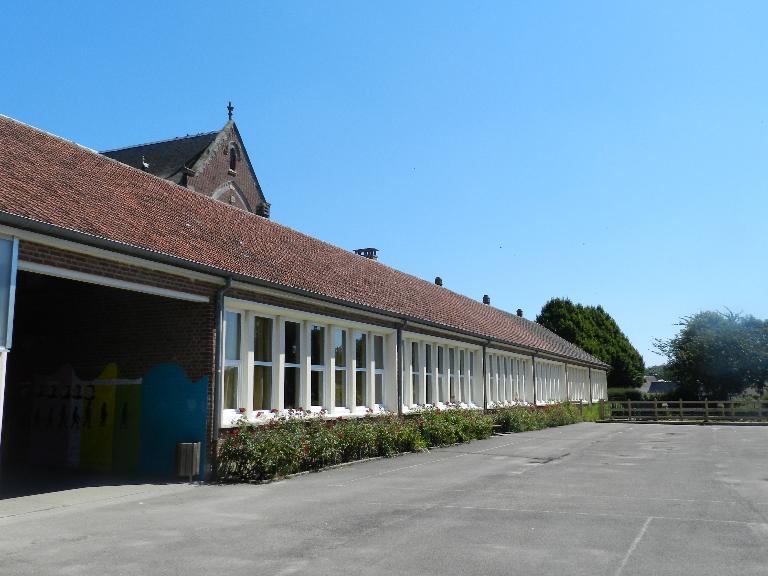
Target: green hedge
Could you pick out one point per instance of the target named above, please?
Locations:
(256, 453)
(526, 418)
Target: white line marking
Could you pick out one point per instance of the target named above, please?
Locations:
(634, 544)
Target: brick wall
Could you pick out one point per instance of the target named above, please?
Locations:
(47, 255)
(215, 173)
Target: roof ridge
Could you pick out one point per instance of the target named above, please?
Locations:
(159, 141)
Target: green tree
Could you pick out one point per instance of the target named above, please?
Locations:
(717, 355)
(593, 329)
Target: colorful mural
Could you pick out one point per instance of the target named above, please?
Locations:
(110, 424)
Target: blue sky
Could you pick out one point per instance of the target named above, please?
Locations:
(614, 153)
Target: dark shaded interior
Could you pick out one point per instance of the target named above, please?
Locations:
(65, 334)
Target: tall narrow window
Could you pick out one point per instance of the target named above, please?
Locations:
(361, 369)
(292, 374)
(262, 363)
(233, 334)
(489, 374)
(462, 378)
(499, 378)
(470, 376)
(441, 374)
(415, 373)
(317, 372)
(378, 361)
(515, 379)
(507, 381)
(340, 377)
(232, 158)
(452, 373)
(428, 365)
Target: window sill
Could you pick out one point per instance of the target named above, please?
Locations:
(231, 418)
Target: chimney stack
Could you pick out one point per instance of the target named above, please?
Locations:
(370, 253)
(520, 312)
(486, 299)
(438, 281)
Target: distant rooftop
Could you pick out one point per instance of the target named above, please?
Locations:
(166, 158)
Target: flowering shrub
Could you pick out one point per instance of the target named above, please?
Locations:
(286, 444)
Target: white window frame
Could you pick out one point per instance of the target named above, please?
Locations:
(252, 362)
(317, 368)
(340, 369)
(429, 374)
(236, 363)
(378, 371)
(247, 311)
(364, 369)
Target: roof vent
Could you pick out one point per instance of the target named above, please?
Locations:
(486, 299)
(520, 312)
(370, 253)
(438, 281)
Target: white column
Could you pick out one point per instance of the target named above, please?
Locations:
(406, 372)
(422, 391)
(329, 382)
(470, 374)
(435, 388)
(507, 379)
(351, 363)
(305, 400)
(370, 382)
(452, 372)
(247, 355)
(443, 386)
(278, 364)
(390, 372)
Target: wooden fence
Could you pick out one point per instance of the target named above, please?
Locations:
(698, 410)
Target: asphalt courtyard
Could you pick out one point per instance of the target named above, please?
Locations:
(614, 499)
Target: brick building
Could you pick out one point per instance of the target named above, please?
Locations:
(156, 302)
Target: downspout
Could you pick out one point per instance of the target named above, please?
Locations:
(590, 386)
(399, 347)
(533, 363)
(485, 377)
(218, 383)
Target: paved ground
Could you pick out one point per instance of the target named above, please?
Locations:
(614, 499)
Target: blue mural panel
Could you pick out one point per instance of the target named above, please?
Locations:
(173, 410)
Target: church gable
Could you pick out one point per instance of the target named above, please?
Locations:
(215, 164)
(225, 172)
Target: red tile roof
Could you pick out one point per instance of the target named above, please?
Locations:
(50, 180)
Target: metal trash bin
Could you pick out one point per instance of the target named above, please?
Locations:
(188, 459)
